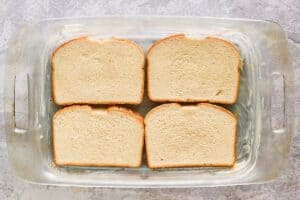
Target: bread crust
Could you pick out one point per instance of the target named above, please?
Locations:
(192, 100)
(125, 111)
(163, 106)
(97, 102)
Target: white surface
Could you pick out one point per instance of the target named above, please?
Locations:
(286, 13)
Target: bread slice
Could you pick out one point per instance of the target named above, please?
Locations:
(182, 69)
(83, 136)
(86, 71)
(190, 136)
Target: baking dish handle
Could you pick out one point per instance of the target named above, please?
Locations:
(2, 117)
(14, 99)
(278, 114)
(21, 101)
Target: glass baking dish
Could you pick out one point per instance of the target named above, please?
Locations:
(265, 107)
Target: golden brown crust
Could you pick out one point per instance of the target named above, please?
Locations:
(181, 35)
(65, 43)
(192, 100)
(98, 102)
(161, 107)
(126, 111)
(94, 165)
(191, 165)
(218, 107)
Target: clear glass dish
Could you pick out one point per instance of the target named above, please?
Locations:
(265, 106)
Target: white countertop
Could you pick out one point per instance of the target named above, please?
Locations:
(285, 12)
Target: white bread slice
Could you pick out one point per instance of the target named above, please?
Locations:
(182, 69)
(86, 71)
(83, 136)
(190, 136)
